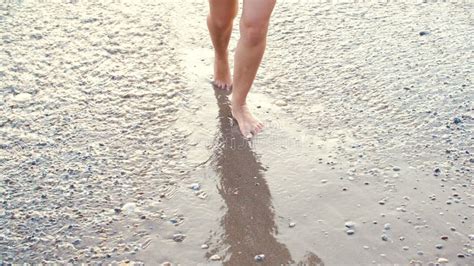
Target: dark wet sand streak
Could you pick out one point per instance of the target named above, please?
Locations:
(249, 222)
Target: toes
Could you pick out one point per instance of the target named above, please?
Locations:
(251, 130)
(248, 135)
(226, 86)
(255, 130)
(221, 85)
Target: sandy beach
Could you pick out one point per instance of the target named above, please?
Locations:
(116, 149)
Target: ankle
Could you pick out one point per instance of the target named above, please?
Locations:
(238, 104)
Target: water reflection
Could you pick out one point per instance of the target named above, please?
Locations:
(249, 223)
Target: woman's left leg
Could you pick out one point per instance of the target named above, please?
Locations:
(219, 22)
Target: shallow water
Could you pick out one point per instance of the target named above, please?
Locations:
(107, 118)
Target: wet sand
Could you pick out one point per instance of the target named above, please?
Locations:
(115, 148)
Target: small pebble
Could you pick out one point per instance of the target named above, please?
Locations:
(350, 231)
(22, 97)
(204, 246)
(461, 256)
(443, 260)
(387, 226)
(444, 237)
(292, 224)
(439, 246)
(179, 237)
(384, 237)
(281, 103)
(405, 248)
(195, 186)
(349, 224)
(260, 257)
(215, 257)
(129, 208)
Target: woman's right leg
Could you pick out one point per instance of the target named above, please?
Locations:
(219, 21)
(248, 55)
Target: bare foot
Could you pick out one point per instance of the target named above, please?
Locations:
(249, 125)
(222, 78)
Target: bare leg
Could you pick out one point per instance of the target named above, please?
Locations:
(250, 49)
(219, 22)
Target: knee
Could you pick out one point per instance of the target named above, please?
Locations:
(220, 22)
(254, 32)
